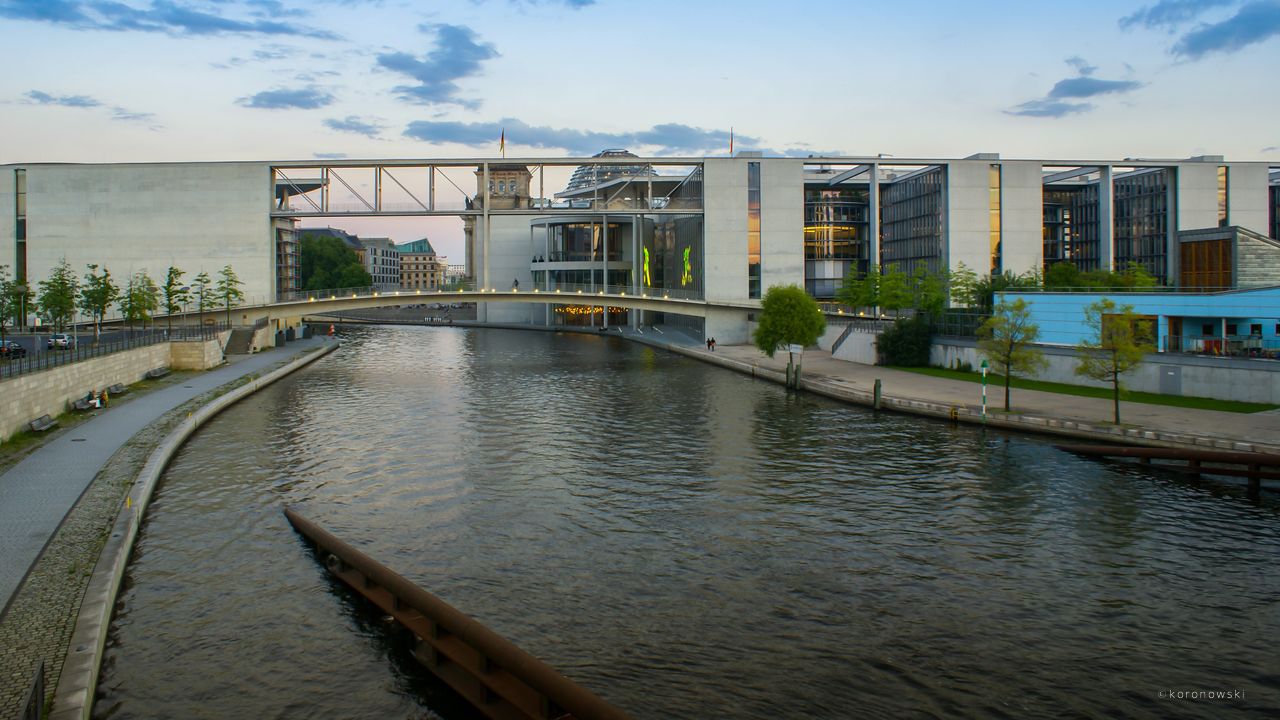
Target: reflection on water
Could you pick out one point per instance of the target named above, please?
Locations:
(684, 541)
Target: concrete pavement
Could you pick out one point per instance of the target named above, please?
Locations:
(38, 492)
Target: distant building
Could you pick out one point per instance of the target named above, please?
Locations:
(420, 267)
(383, 262)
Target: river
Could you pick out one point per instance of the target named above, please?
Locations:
(686, 542)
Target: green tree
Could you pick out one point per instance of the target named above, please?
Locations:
(1120, 345)
(228, 290)
(964, 286)
(327, 263)
(860, 291)
(988, 287)
(57, 301)
(895, 290)
(1008, 339)
(140, 299)
(202, 290)
(176, 294)
(11, 296)
(788, 316)
(96, 295)
(907, 343)
(1062, 276)
(929, 290)
(1135, 277)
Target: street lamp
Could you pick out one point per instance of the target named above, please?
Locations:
(185, 291)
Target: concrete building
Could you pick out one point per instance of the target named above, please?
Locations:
(723, 229)
(382, 261)
(420, 267)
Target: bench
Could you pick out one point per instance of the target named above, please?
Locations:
(42, 424)
(157, 373)
(83, 404)
(117, 389)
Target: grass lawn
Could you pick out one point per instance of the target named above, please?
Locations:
(997, 382)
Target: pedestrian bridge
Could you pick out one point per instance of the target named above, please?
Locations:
(682, 302)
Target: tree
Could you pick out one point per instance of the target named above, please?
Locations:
(11, 296)
(228, 290)
(140, 299)
(929, 290)
(860, 292)
(1062, 276)
(1008, 339)
(964, 286)
(57, 302)
(175, 294)
(895, 290)
(1120, 346)
(203, 292)
(327, 263)
(96, 295)
(788, 316)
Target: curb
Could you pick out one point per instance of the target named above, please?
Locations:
(78, 682)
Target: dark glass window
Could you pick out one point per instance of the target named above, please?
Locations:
(911, 213)
(753, 229)
(1142, 220)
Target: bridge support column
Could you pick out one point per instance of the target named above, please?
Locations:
(727, 326)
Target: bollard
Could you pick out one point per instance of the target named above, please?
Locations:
(955, 413)
(876, 402)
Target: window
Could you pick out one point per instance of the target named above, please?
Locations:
(1231, 329)
(1255, 329)
(490, 186)
(1206, 329)
(993, 205)
(1224, 185)
(753, 229)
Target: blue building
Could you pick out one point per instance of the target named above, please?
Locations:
(1239, 323)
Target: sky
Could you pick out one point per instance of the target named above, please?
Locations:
(209, 80)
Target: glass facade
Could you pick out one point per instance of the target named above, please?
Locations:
(835, 237)
(1071, 225)
(584, 241)
(1275, 212)
(753, 229)
(911, 221)
(20, 223)
(671, 253)
(1142, 209)
(1224, 186)
(993, 208)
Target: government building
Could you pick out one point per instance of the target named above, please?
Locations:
(715, 228)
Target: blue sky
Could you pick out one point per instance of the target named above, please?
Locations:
(169, 80)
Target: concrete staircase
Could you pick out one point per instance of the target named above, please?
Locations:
(240, 341)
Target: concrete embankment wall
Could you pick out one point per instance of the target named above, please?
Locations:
(76, 687)
(51, 392)
(1165, 373)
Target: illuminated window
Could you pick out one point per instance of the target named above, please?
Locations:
(993, 205)
(1223, 186)
(753, 229)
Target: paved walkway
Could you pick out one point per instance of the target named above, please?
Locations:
(38, 492)
(1260, 429)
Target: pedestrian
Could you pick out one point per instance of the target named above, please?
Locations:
(515, 284)
(713, 344)
(708, 341)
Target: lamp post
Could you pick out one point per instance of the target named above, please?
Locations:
(185, 290)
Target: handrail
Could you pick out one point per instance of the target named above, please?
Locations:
(493, 665)
(33, 702)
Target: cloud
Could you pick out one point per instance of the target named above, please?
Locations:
(668, 138)
(573, 4)
(1254, 22)
(1049, 108)
(329, 156)
(1270, 149)
(353, 124)
(1055, 104)
(1170, 13)
(119, 113)
(302, 99)
(458, 54)
(165, 16)
(77, 101)
(1086, 87)
(1081, 65)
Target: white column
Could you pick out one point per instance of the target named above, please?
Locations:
(1106, 219)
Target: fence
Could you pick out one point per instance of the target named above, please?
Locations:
(33, 702)
(84, 348)
(1239, 346)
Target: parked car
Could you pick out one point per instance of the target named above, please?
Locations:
(60, 341)
(11, 349)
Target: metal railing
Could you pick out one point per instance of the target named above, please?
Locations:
(32, 707)
(83, 348)
(489, 671)
(423, 295)
(1237, 346)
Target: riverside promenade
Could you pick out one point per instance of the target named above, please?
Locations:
(1031, 410)
(39, 493)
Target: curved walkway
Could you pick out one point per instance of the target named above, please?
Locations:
(38, 492)
(1033, 410)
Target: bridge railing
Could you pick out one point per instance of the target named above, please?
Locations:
(584, 289)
